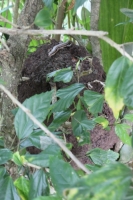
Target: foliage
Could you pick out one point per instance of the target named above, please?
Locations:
(48, 174)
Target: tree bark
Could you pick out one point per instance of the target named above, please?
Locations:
(95, 7)
(12, 63)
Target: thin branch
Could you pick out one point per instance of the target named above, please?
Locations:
(3, 19)
(15, 11)
(64, 148)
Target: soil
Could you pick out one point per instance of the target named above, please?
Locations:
(38, 64)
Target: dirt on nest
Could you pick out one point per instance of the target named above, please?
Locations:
(90, 73)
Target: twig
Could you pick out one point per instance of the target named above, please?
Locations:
(3, 19)
(15, 11)
(64, 148)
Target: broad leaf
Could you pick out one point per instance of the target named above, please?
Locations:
(59, 118)
(43, 18)
(3, 172)
(38, 185)
(109, 17)
(62, 174)
(65, 75)
(39, 106)
(110, 182)
(94, 100)
(126, 153)
(129, 117)
(121, 131)
(42, 159)
(41, 141)
(7, 189)
(67, 96)
(22, 185)
(101, 120)
(102, 157)
(5, 155)
(81, 123)
(114, 94)
(17, 159)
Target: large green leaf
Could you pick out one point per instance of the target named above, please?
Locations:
(62, 174)
(43, 18)
(41, 141)
(42, 159)
(65, 75)
(7, 189)
(39, 106)
(5, 155)
(109, 183)
(94, 100)
(38, 185)
(67, 96)
(117, 82)
(59, 118)
(110, 16)
(81, 123)
(121, 131)
(22, 185)
(102, 157)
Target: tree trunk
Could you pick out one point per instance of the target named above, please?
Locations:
(12, 63)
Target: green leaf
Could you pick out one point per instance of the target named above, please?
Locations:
(7, 189)
(102, 157)
(62, 174)
(17, 159)
(85, 15)
(128, 117)
(101, 120)
(39, 106)
(114, 84)
(3, 172)
(110, 182)
(65, 75)
(41, 141)
(42, 159)
(43, 18)
(22, 185)
(81, 123)
(78, 3)
(5, 155)
(48, 3)
(48, 198)
(94, 100)
(109, 17)
(59, 118)
(126, 153)
(38, 185)
(127, 12)
(67, 96)
(121, 131)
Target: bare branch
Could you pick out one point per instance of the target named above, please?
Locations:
(64, 148)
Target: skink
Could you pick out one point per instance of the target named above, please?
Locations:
(58, 47)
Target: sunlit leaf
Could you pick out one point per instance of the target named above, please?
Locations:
(22, 185)
(78, 3)
(110, 182)
(102, 157)
(101, 120)
(121, 131)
